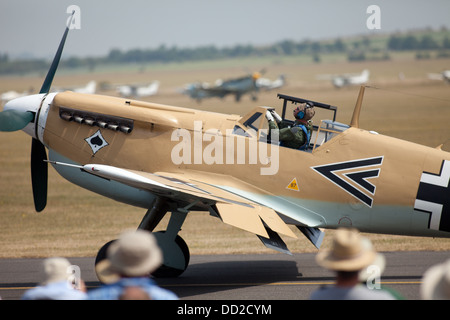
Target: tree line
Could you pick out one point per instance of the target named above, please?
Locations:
(355, 49)
(411, 42)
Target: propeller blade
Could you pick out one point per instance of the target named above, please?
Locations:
(39, 166)
(51, 72)
(39, 174)
(13, 120)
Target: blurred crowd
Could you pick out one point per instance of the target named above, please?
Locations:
(125, 273)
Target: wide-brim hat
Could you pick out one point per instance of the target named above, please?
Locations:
(376, 268)
(56, 269)
(347, 254)
(134, 254)
(436, 282)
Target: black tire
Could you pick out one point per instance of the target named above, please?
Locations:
(169, 272)
(101, 254)
(163, 271)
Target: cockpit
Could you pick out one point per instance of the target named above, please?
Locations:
(325, 126)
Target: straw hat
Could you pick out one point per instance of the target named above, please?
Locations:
(134, 254)
(436, 282)
(379, 262)
(348, 252)
(56, 270)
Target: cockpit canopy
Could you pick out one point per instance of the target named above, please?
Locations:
(327, 130)
(255, 124)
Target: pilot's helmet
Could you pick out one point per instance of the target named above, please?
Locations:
(304, 111)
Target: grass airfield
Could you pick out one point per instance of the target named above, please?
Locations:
(77, 222)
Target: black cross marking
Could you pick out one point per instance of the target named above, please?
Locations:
(433, 197)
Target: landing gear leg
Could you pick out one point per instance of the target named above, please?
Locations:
(154, 215)
(175, 251)
(149, 222)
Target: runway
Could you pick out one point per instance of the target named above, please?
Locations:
(239, 277)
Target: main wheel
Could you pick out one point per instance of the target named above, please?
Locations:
(176, 255)
(101, 255)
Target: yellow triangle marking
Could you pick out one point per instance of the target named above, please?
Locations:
(293, 185)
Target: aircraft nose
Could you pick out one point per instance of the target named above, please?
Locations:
(23, 113)
(20, 113)
(29, 103)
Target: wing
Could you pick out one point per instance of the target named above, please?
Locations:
(196, 190)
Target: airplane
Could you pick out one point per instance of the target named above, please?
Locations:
(250, 84)
(444, 75)
(267, 84)
(172, 159)
(10, 95)
(136, 91)
(349, 79)
(90, 87)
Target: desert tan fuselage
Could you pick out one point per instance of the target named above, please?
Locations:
(357, 178)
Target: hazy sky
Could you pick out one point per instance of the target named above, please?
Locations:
(28, 26)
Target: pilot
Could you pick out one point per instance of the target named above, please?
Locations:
(298, 134)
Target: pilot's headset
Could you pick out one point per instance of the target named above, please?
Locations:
(304, 111)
